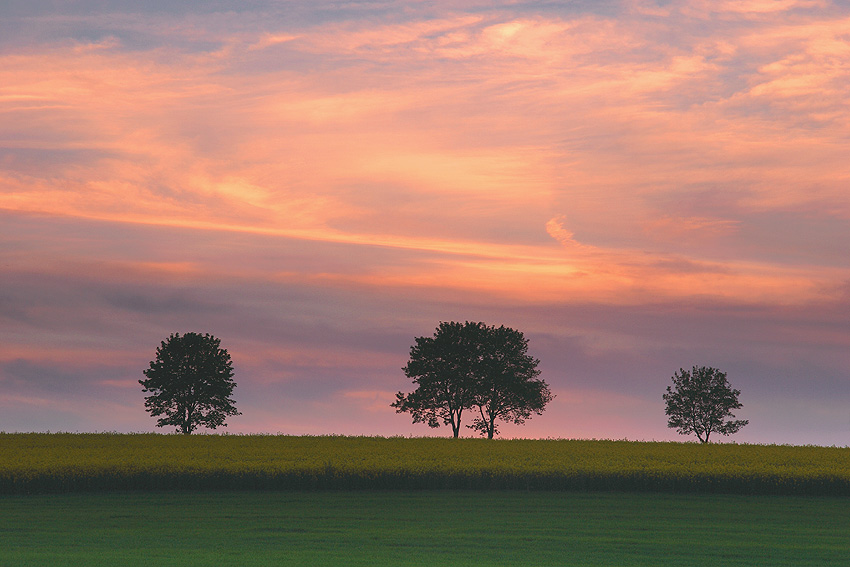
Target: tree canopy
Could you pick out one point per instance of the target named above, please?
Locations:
(190, 382)
(472, 366)
(701, 402)
(507, 388)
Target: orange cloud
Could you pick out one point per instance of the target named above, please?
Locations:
(437, 135)
(556, 230)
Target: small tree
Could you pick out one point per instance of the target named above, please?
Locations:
(472, 366)
(700, 402)
(191, 382)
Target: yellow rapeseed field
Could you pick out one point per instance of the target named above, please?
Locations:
(35, 462)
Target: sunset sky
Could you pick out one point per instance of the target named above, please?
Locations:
(636, 185)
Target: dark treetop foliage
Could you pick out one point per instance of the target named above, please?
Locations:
(507, 387)
(700, 402)
(472, 366)
(191, 382)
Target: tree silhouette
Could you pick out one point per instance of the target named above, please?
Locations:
(191, 382)
(700, 402)
(441, 366)
(507, 387)
(472, 366)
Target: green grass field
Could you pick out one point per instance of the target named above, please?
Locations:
(421, 528)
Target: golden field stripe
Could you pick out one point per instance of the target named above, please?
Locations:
(65, 462)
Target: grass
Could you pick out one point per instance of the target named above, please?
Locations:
(421, 528)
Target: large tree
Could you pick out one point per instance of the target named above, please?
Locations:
(701, 402)
(442, 369)
(190, 382)
(472, 366)
(507, 388)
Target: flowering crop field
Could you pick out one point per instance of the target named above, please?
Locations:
(63, 462)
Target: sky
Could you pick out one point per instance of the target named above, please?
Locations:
(637, 186)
